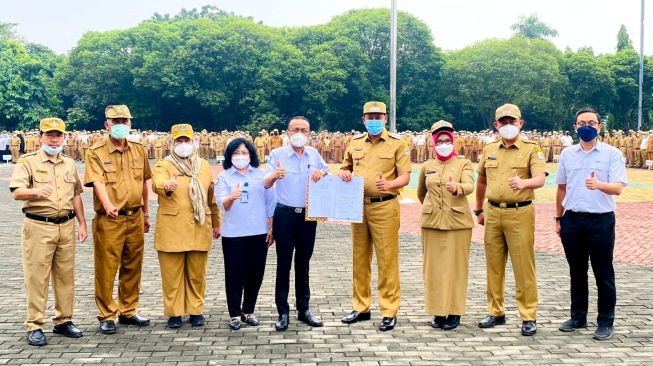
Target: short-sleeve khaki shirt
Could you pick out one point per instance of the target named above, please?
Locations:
(389, 155)
(122, 173)
(498, 164)
(36, 170)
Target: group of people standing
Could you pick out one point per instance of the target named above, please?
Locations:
(252, 207)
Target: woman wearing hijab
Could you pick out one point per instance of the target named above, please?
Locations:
(248, 208)
(446, 221)
(186, 222)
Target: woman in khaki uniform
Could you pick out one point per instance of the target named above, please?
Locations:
(187, 220)
(447, 223)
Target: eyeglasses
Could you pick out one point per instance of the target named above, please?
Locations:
(443, 142)
(587, 123)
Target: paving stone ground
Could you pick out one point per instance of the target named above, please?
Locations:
(413, 342)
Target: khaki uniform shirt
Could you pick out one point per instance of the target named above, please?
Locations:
(525, 157)
(441, 209)
(123, 173)
(389, 155)
(275, 142)
(36, 170)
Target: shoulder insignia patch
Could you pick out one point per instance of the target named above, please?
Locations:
(359, 136)
(394, 135)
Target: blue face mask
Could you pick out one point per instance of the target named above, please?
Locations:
(51, 151)
(587, 133)
(374, 126)
(120, 131)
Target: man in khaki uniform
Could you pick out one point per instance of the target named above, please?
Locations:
(260, 142)
(275, 140)
(14, 148)
(204, 145)
(158, 148)
(545, 144)
(48, 183)
(30, 143)
(382, 159)
(510, 171)
(118, 171)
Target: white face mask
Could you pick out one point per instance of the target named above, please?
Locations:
(184, 150)
(444, 150)
(509, 131)
(298, 139)
(240, 161)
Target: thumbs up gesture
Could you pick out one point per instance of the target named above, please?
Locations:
(515, 182)
(279, 172)
(235, 194)
(592, 182)
(45, 191)
(451, 186)
(382, 184)
(171, 184)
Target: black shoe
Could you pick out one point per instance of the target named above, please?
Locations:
(603, 333)
(453, 321)
(108, 327)
(282, 322)
(36, 338)
(197, 320)
(356, 316)
(250, 319)
(136, 320)
(438, 321)
(310, 319)
(234, 323)
(571, 325)
(528, 328)
(68, 329)
(174, 322)
(388, 323)
(491, 321)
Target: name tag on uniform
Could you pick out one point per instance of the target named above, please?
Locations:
(491, 157)
(431, 172)
(41, 171)
(358, 149)
(108, 162)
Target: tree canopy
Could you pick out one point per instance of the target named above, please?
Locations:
(218, 70)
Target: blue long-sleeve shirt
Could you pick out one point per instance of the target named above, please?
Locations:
(245, 219)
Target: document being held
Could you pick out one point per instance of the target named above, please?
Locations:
(334, 200)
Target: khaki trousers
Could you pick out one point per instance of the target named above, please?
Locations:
(48, 250)
(445, 267)
(260, 151)
(379, 231)
(183, 276)
(511, 231)
(118, 247)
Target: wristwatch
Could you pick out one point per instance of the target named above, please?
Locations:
(478, 212)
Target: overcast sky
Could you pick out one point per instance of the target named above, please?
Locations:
(455, 24)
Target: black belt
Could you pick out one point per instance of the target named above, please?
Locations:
(290, 208)
(54, 220)
(379, 199)
(129, 212)
(510, 205)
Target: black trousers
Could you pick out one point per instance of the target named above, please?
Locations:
(590, 237)
(292, 233)
(244, 266)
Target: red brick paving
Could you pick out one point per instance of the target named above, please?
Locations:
(634, 231)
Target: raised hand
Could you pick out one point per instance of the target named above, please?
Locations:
(382, 184)
(279, 172)
(171, 184)
(235, 194)
(45, 191)
(451, 186)
(515, 182)
(592, 182)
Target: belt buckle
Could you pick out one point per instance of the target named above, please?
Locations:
(503, 205)
(367, 200)
(129, 213)
(299, 210)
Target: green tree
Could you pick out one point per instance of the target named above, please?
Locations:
(623, 39)
(531, 27)
(478, 79)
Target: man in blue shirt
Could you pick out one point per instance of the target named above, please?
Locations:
(289, 168)
(589, 175)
